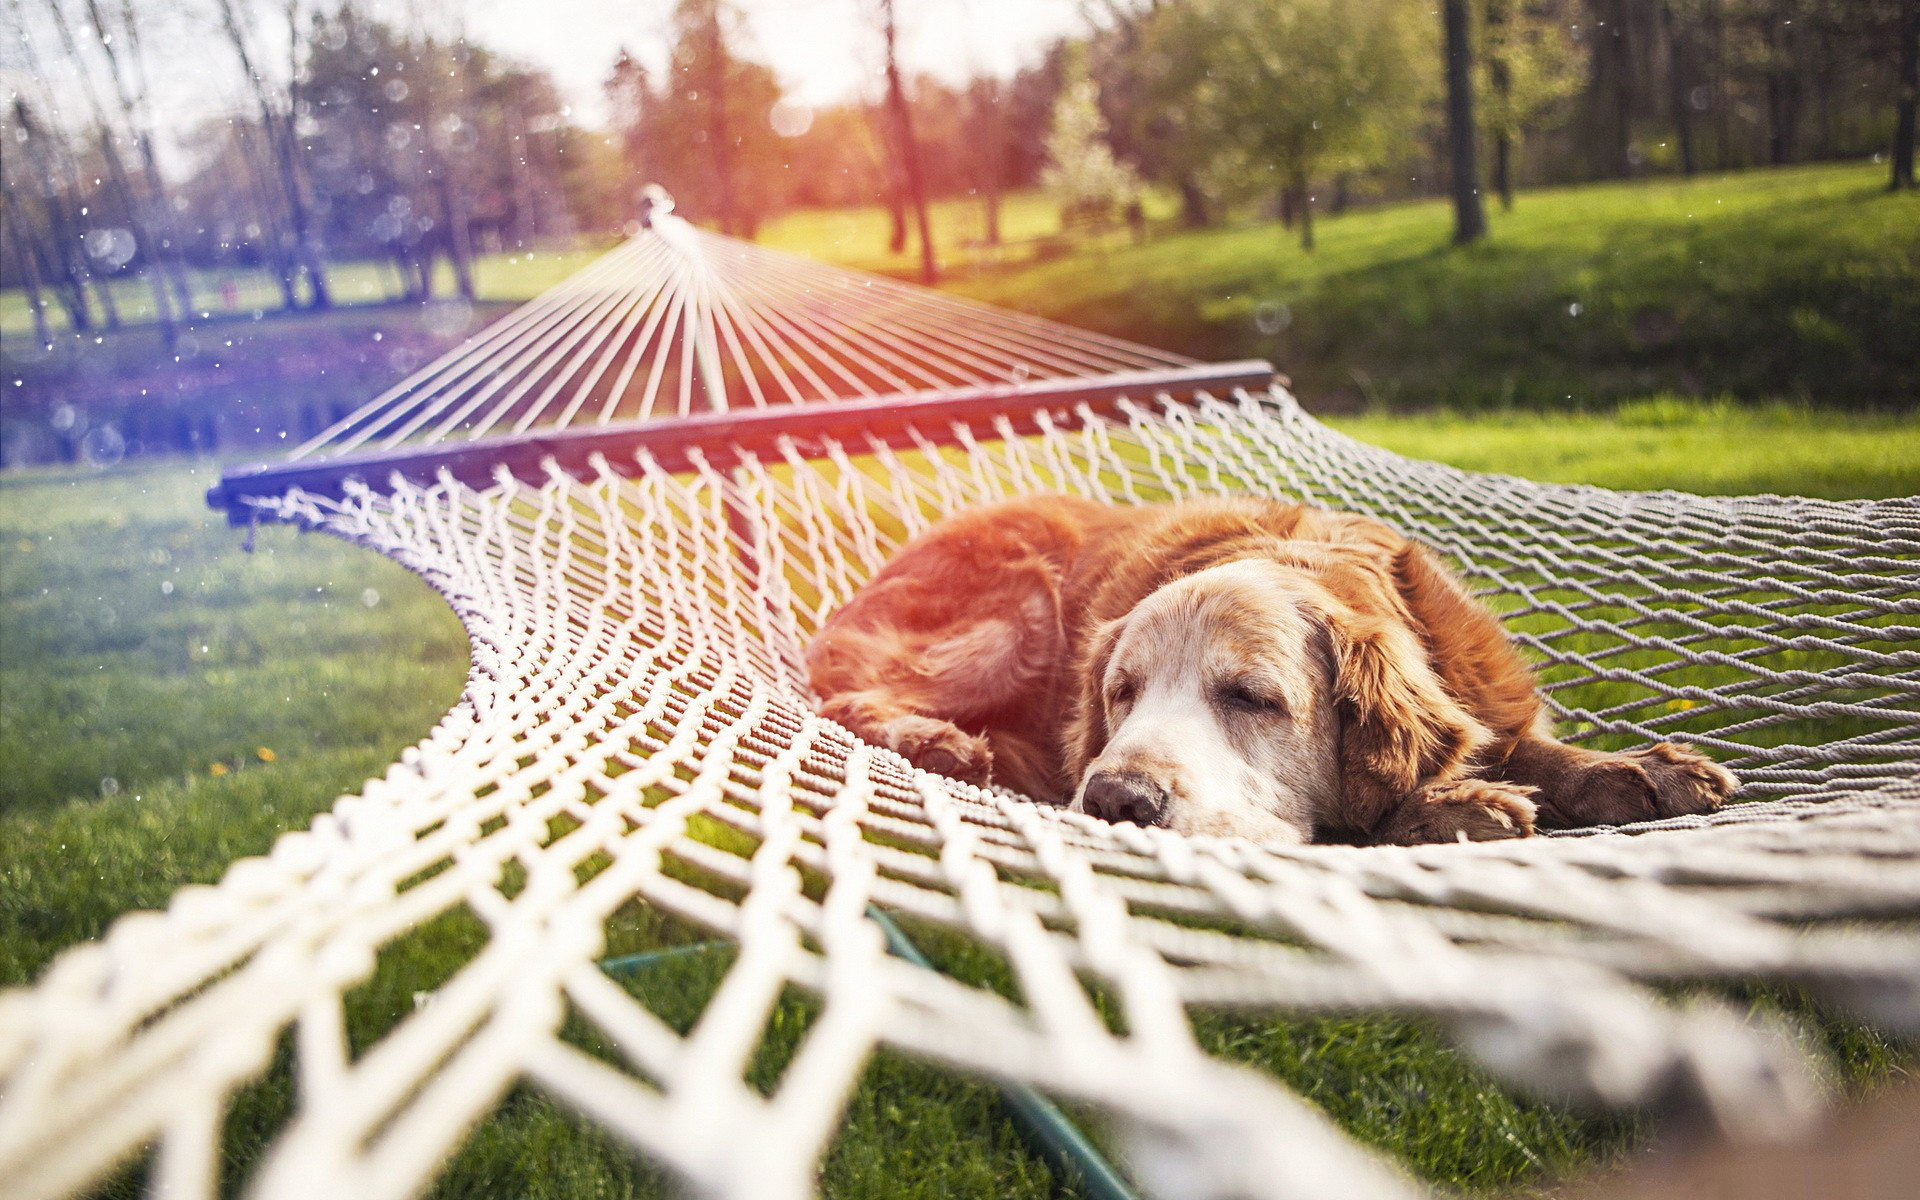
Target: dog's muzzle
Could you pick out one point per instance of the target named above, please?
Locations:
(1123, 797)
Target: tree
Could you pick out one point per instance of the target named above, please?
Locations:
(1469, 214)
(134, 198)
(708, 63)
(53, 177)
(1081, 171)
(1907, 97)
(908, 149)
(1530, 71)
(1679, 84)
(1145, 134)
(12, 222)
(701, 131)
(1274, 93)
(276, 110)
(986, 123)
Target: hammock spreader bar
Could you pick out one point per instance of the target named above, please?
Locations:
(722, 435)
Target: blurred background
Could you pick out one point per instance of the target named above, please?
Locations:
(228, 221)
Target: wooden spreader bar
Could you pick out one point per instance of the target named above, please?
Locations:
(721, 436)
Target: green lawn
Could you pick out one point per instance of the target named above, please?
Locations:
(172, 704)
(1667, 442)
(1030, 230)
(1786, 284)
(513, 276)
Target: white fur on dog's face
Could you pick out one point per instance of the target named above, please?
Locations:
(1219, 691)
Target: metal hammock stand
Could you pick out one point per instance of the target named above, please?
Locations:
(643, 490)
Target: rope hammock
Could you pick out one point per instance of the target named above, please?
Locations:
(643, 491)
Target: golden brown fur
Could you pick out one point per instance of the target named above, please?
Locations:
(1225, 666)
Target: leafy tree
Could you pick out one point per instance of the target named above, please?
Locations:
(701, 130)
(1531, 65)
(1081, 169)
(1281, 92)
(1908, 96)
(300, 241)
(906, 145)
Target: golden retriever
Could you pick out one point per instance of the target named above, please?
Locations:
(1236, 666)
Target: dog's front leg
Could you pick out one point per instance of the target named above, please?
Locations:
(1453, 810)
(927, 742)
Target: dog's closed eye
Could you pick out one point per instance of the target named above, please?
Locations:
(1246, 696)
(1120, 690)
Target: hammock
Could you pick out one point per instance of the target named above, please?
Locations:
(642, 491)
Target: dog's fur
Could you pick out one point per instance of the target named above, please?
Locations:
(1229, 666)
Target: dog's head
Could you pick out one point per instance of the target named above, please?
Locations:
(1245, 699)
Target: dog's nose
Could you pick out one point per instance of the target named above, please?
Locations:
(1119, 796)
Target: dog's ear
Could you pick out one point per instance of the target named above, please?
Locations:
(1087, 731)
(1399, 724)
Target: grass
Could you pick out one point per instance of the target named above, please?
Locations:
(134, 719)
(172, 703)
(241, 292)
(1030, 231)
(1714, 448)
(1800, 283)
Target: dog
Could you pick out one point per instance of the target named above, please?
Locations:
(1235, 667)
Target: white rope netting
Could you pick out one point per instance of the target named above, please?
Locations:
(635, 728)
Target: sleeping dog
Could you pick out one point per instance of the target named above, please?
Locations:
(1235, 667)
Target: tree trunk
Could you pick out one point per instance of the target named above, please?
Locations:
(910, 152)
(1469, 216)
(453, 193)
(459, 236)
(311, 259)
(896, 212)
(1500, 78)
(30, 266)
(1303, 208)
(1193, 203)
(280, 141)
(987, 122)
(109, 307)
(167, 258)
(1678, 91)
(106, 139)
(42, 243)
(150, 247)
(1622, 90)
(719, 133)
(275, 245)
(1903, 126)
(1780, 94)
(525, 220)
(1715, 28)
(70, 283)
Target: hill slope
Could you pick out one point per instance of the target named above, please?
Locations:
(1799, 283)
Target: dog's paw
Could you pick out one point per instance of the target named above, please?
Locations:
(1473, 810)
(937, 746)
(1663, 780)
(1684, 781)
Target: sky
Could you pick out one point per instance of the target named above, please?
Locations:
(824, 51)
